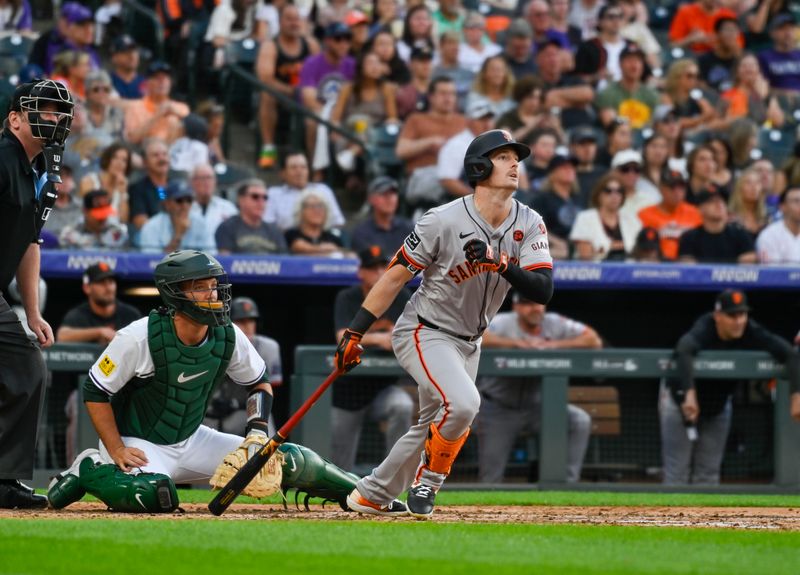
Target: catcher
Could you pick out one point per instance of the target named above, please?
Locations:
(147, 395)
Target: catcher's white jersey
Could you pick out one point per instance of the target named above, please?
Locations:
(453, 294)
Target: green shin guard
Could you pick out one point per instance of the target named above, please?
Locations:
(306, 472)
(142, 493)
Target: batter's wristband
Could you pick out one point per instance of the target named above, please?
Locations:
(362, 321)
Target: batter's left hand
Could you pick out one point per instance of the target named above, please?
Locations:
(479, 254)
(42, 330)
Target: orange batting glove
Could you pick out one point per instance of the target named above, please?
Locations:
(349, 350)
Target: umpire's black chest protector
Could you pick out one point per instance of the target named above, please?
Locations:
(18, 205)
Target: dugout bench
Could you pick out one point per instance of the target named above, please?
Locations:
(556, 367)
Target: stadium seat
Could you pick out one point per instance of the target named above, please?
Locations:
(14, 51)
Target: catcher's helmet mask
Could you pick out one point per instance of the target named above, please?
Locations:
(477, 165)
(176, 278)
(55, 96)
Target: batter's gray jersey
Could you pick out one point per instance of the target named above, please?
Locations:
(453, 294)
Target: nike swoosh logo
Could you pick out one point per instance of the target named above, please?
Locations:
(462, 236)
(184, 378)
(294, 464)
(138, 497)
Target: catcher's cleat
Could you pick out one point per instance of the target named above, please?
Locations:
(420, 501)
(65, 488)
(357, 502)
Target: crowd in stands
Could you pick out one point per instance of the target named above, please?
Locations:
(659, 132)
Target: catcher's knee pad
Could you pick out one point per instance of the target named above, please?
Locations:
(440, 453)
(141, 493)
(306, 471)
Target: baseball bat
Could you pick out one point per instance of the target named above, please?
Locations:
(250, 469)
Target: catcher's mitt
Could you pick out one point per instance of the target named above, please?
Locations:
(268, 480)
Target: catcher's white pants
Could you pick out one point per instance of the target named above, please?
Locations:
(192, 460)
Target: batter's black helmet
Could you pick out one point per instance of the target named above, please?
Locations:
(174, 277)
(477, 165)
(243, 308)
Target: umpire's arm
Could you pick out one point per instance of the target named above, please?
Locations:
(28, 282)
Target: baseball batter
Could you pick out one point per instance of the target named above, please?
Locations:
(470, 252)
(147, 396)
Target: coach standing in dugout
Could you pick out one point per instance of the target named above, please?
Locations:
(696, 415)
(31, 147)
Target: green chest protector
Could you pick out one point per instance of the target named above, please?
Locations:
(169, 406)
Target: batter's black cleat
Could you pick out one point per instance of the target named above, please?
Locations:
(420, 501)
(16, 495)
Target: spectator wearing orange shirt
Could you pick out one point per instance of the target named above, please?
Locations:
(155, 115)
(673, 216)
(693, 25)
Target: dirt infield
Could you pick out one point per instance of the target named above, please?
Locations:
(778, 518)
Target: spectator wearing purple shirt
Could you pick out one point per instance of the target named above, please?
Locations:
(78, 35)
(323, 74)
(781, 63)
(539, 15)
(16, 16)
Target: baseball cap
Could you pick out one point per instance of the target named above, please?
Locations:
(243, 308)
(731, 301)
(478, 109)
(76, 13)
(355, 17)
(664, 111)
(722, 20)
(546, 43)
(780, 20)
(123, 43)
(631, 49)
(474, 20)
(98, 272)
(709, 193)
(519, 28)
(560, 160)
(582, 133)
(337, 30)
(382, 185)
(22, 91)
(421, 52)
(648, 239)
(373, 256)
(672, 178)
(98, 204)
(158, 67)
(178, 189)
(626, 157)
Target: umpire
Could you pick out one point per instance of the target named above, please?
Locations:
(31, 147)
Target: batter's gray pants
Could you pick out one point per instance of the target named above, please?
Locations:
(444, 368)
(392, 405)
(498, 427)
(697, 462)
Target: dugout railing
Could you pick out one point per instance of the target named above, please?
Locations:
(556, 368)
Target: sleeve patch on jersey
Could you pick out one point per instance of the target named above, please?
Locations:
(106, 365)
(412, 241)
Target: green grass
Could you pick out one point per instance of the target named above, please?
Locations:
(108, 547)
(581, 498)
